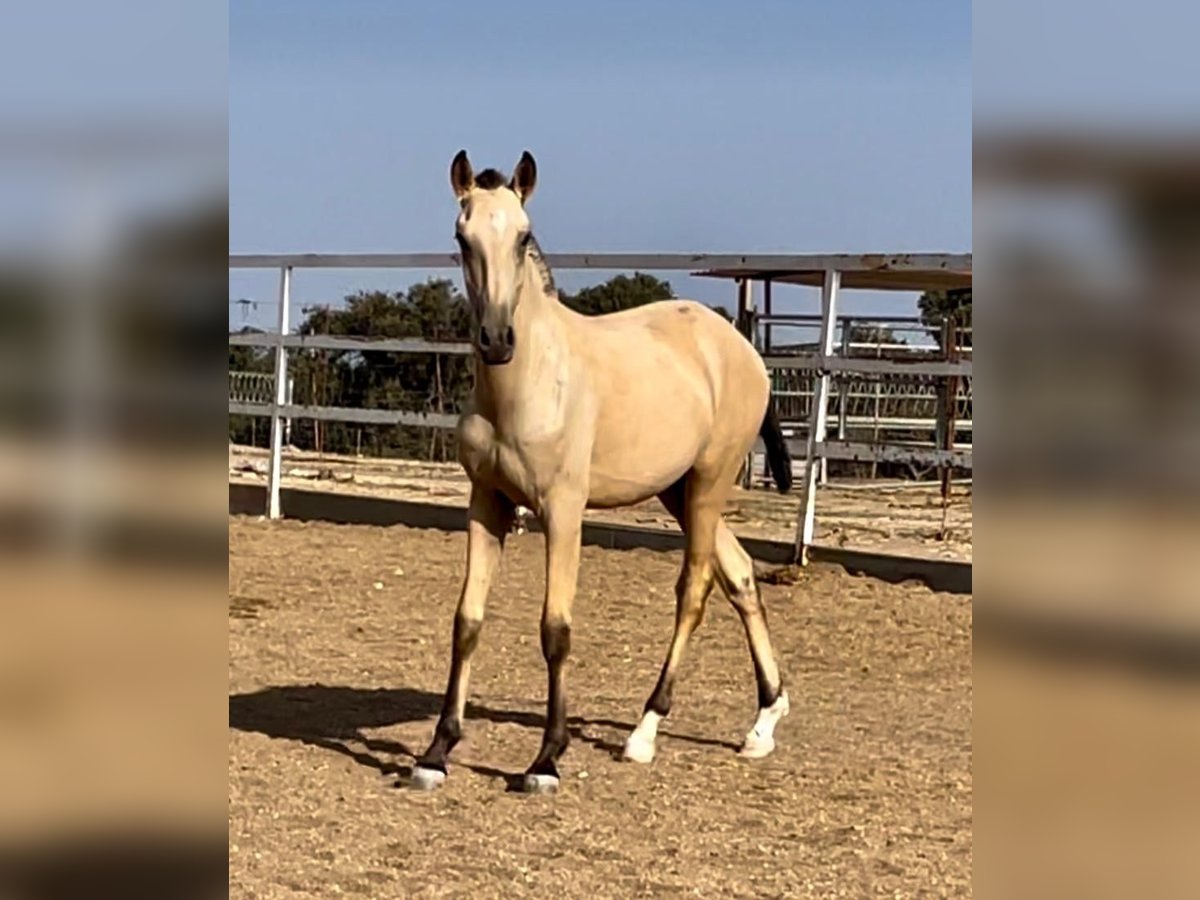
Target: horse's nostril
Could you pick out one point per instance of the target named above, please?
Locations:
(484, 340)
(509, 337)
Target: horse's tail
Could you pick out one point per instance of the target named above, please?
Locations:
(779, 457)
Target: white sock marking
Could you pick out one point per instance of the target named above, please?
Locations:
(760, 740)
(639, 747)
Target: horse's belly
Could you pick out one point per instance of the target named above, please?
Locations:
(638, 471)
(612, 493)
(647, 439)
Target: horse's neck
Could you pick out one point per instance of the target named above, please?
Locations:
(519, 390)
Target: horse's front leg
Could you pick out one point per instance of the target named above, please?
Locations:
(489, 520)
(562, 519)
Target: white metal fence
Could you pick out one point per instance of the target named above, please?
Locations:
(820, 364)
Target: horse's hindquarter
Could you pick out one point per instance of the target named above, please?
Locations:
(662, 374)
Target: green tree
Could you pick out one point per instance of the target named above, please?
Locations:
(415, 382)
(955, 304)
(421, 382)
(621, 292)
(250, 359)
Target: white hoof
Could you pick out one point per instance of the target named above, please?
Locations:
(755, 747)
(540, 784)
(760, 740)
(426, 779)
(638, 749)
(639, 746)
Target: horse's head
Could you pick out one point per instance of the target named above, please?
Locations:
(493, 234)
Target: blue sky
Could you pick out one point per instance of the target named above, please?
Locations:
(658, 126)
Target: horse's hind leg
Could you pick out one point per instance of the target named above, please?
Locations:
(701, 510)
(735, 574)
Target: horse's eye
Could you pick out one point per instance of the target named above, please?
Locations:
(526, 238)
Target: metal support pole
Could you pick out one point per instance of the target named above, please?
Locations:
(819, 419)
(287, 423)
(878, 383)
(766, 349)
(745, 303)
(946, 417)
(843, 395)
(767, 310)
(275, 472)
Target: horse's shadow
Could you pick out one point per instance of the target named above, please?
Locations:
(333, 718)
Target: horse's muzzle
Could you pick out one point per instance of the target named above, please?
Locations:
(496, 346)
(496, 356)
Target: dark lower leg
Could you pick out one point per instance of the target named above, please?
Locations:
(697, 515)
(747, 601)
(556, 645)
(489, 517)
(735, 572)
(772, 698)
(564, 525)
(449, 726)
(737, 580)
(689, 610)
(691, 596)
(766, 671)
(691, 593)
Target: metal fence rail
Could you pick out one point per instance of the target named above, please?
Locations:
(270, 395)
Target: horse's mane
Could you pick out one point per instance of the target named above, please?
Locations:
(490, 179)
(539, 260)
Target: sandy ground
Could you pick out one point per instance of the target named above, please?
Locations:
(338, 640)
(889, 517)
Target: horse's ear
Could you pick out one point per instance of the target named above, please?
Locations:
(462, 179)
(524, 177)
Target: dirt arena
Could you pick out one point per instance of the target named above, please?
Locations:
(339, 641)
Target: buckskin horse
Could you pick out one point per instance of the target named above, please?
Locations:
(571, 412)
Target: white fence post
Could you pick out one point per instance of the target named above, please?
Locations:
(820, 415)
(275, 472)
(844, 385)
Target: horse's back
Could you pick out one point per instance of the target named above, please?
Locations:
(676, 383)
(694, 333)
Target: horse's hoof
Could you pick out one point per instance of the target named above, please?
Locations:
(639, 750)
(760, 741)
(756, 747)
(540, 784)
(424, 779)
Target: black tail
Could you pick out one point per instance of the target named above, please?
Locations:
(779, 457)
